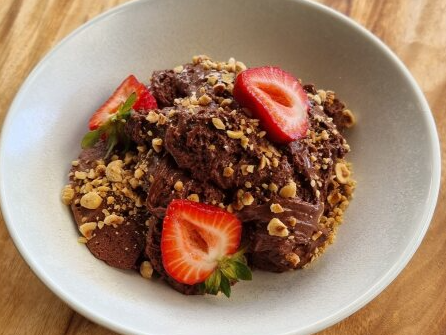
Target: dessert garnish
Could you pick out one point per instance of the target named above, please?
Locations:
(109, 120)
(277, 99)
(199, 245)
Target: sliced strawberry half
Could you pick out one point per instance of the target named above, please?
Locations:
(199, 244)
(277, 99)
(144, 100)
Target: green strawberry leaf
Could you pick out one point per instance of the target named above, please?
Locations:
(213, 282)
(112, 141)
(230, 269)
(242, 270)
(127, 105)
(225, 286)
(90, 139)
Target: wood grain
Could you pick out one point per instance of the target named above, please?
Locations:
(415, 303)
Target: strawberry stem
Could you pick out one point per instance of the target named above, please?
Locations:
(230, 269)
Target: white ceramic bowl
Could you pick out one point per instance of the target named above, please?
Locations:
(394, 149)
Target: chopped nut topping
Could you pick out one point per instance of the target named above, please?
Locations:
(293, 258)
(239, 66)
(247, 199)
(292, 221)
(228, 171)
(113, 219)
(152, 117)
(219, 88)
(218, 123)
(91, 200)
(348, 190)
(250, 168)
(263, 162)
(194, 197)
(110, 200)
(212, 80)
(317, 99)
(334, 197)
(230, 88)
(178, 69)
(75, 163)
(178, 186)
(244, 141)
(227, 78)
(235, 134)
(199, 59)
(324, 135)
(91, 174)
(322, 95)
(289, 190)
(248, 184)
(162, 119)
(316, 235)
(146, 270)
(342, 173)
(225, 102)
(157, 144)
(138, 173)
(274, 162)
(87, 229)
(204, 100)
(114, 171)
(81, 175)
(67, 194)
(273, 187)
(100, 169)
(349, 118)
(82, 240)
(261, 134)
(103, 189)
(277, 228)
(343, 206)
(276, 208)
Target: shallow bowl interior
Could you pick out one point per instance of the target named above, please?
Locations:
(394, 151)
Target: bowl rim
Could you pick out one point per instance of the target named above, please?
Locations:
(319, 325)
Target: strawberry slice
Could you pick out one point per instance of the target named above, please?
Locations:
(144, 100)
(199, 244)
(277, 99)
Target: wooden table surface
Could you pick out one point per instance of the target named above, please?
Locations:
(415, 303)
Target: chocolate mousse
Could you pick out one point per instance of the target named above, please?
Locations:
(201, 144)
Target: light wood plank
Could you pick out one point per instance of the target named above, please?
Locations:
(415, 303)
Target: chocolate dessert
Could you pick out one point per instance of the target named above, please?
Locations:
(249, 146)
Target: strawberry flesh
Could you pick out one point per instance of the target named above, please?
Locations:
(277, 99)
(195, 238)
(144, 101)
